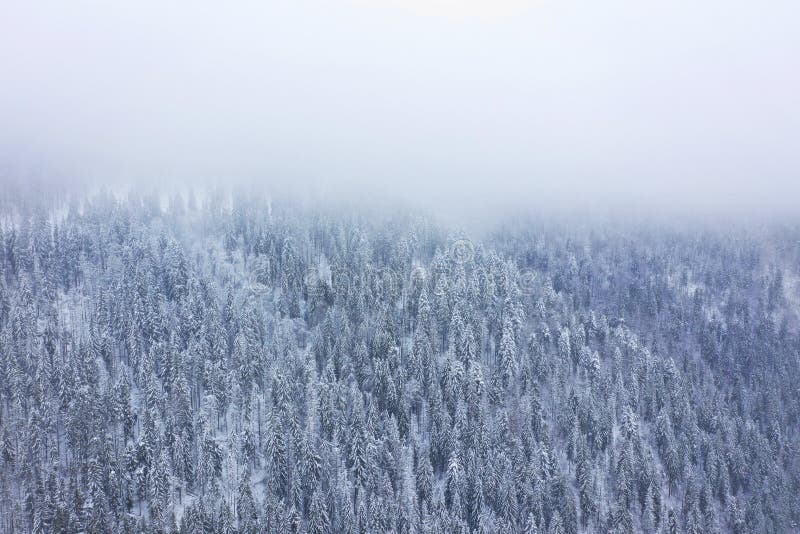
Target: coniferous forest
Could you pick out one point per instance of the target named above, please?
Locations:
(224, 362)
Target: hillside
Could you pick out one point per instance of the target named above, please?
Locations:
(225, 363)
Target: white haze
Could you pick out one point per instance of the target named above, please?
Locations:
(470, 107)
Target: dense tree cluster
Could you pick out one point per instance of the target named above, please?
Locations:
(225, 363)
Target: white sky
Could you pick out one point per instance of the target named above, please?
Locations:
(466, 104)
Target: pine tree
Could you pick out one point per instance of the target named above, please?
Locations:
(245, 506)
(508, 352)
(318, 522)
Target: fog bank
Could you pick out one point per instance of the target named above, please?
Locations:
(473, 109)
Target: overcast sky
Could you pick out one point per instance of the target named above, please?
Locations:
(466, 104)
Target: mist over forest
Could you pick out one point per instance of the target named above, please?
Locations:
(338, 266)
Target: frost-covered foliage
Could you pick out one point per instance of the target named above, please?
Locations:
(228, 364)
